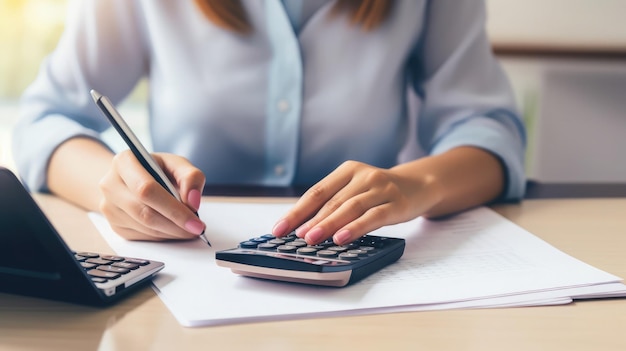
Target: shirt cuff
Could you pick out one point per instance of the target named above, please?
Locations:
(492, 135)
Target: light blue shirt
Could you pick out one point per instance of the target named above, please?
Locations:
(286, 104)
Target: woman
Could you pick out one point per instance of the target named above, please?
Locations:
(277, 93)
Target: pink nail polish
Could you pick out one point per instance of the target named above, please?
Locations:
(301, 231)
(194, 226)
(280, 228)
(194, 198)
(343, 237)
(315, 235)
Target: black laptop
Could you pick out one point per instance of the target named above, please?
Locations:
(35, 261)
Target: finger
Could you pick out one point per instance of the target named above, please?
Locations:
(127, 227)
(371, 220)
(188, 178)
(311, 202)
(134, 235)
(147, 191)
(349, 210)
(148, 221)
(356, 196)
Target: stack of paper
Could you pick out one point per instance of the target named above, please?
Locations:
(477, 259)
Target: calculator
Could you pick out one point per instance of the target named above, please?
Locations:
(290, 259)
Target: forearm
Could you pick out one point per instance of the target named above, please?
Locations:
(461, 178)
(76, 168)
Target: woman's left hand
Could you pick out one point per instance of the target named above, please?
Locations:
(356, 199)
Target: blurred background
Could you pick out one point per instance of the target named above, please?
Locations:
(566, 60)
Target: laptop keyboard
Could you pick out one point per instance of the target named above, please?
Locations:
(102, 268)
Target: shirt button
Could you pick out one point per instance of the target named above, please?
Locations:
(279, 170)
(283, 105)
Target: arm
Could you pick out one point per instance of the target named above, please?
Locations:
(467, 123)
(75, 170)
(101, 48)
(358, 198)
(57, 141)
(460, 178)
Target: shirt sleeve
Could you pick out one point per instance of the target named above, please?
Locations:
(101, 48)
(466, 97)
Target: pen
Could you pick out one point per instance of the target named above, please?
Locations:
(143, 156)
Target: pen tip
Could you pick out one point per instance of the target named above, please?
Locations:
(95, 95)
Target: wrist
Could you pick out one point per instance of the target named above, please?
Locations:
(426, 189)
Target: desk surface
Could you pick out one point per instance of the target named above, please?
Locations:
(593, 230)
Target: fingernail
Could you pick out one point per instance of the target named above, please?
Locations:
(194, 198)
(315, 235)
(301, 231)
(280, 228)
(343, 237)
(194, 226)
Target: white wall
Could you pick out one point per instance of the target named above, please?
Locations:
(558, 24)
(575, 112)
(575, 107)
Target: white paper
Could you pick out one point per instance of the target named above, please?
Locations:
(466, 261)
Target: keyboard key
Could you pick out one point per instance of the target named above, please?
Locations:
(102, 274)
(88, 265)
(137, 261)
(88, 254)
(98, 261)
(113, 269)
(126, 265)
(112, 258)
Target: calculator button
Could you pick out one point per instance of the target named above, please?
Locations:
(286, 248)
(98, 280)
(298, 243)
(366, 248)
(266, 246)
(307, 250)
(348, 256)
(248, 245)
(327, 253)
(360, 253)
(277, 241)
(80, 258)
(337, 248)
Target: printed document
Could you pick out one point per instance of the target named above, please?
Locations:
(474, 259)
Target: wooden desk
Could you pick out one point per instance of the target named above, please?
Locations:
(593, 230)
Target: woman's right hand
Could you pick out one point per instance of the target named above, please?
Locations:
(139, 208)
